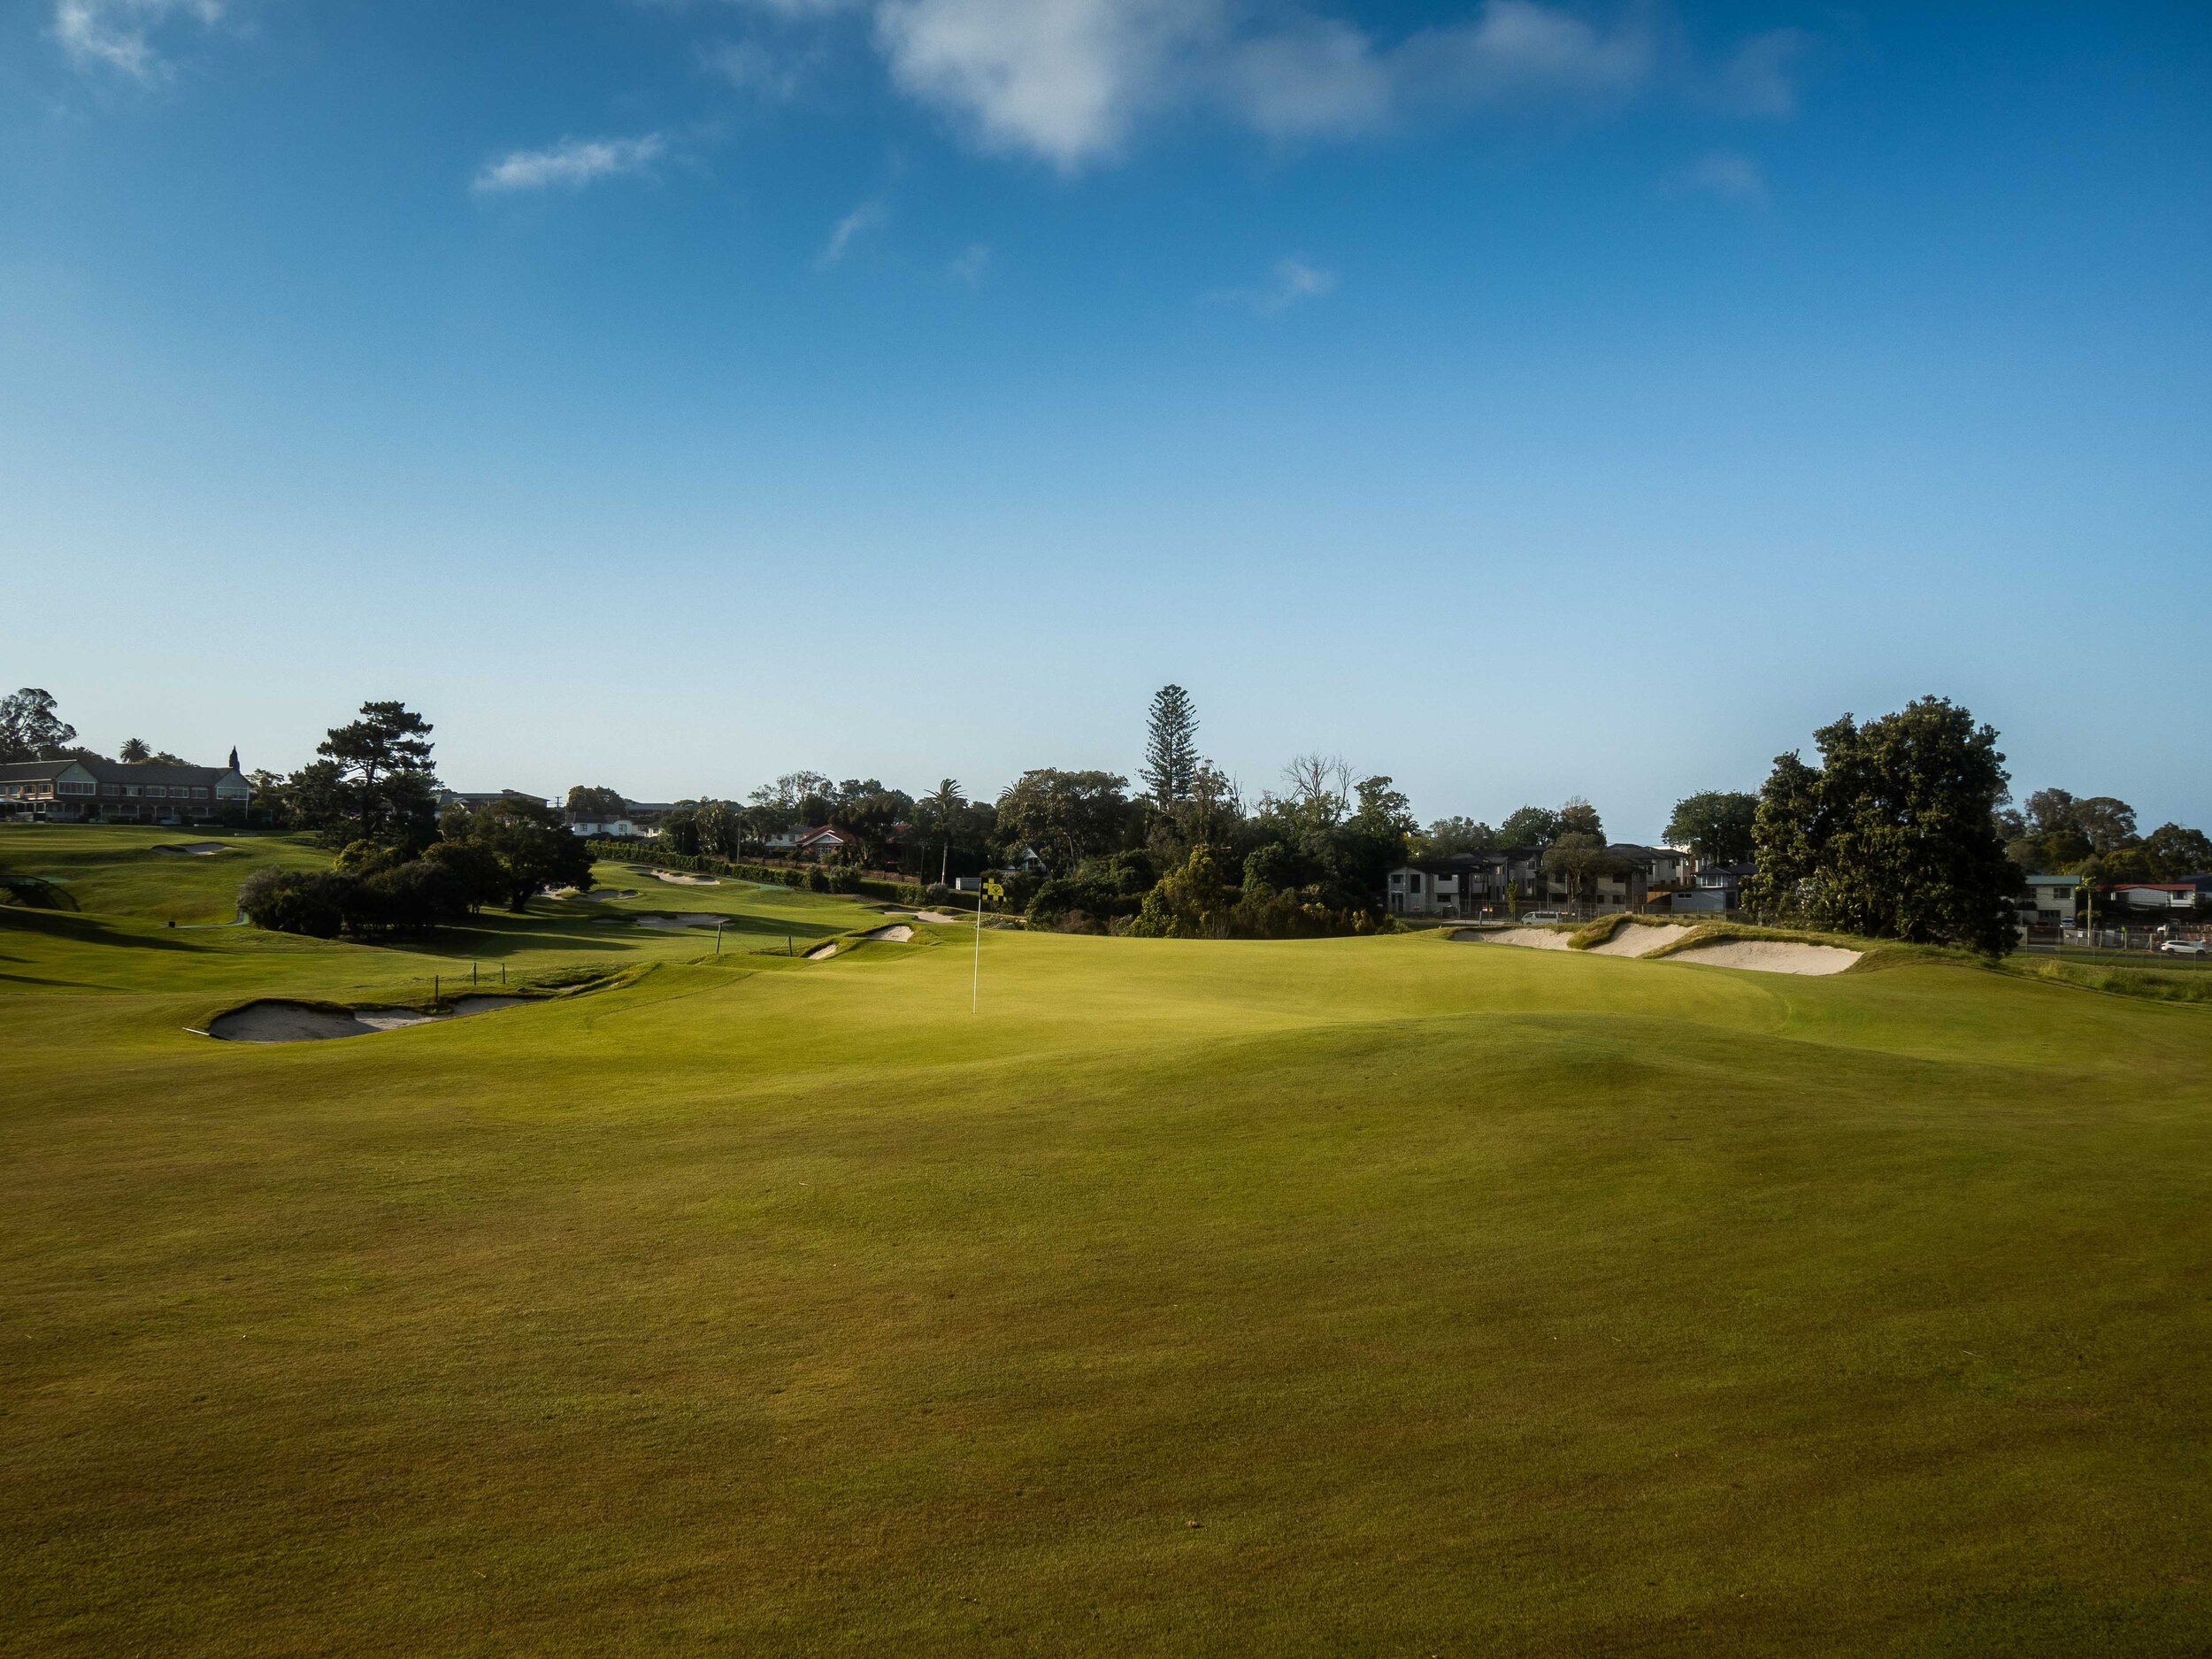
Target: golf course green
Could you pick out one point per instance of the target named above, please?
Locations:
(1365, 1296)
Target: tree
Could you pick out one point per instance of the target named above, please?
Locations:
(1577, 857)
(1377, 836)
(1320, 789)
(937, 810)
(1895, 835)
(534, 849)
(1170, 754)
(1190, 903)
(29, 727)
(135, 752)
(2175, 851)
(1067, 816)
(1716, 824)
(381, 787)
(1530, 826)
(872, 817)
(1578, 817)
(1449, 835)
(595, 802)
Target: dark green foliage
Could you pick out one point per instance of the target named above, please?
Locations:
(1099, 888)
(1449, 835)
(1716, 824)
(1530, 826)
(374, 782)
(533, 848)
(1170, 752)
(29, 727)
(310, 902)
(1067, 816)
(595, 801)
(1895, 835)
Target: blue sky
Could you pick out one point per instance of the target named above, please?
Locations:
(1519, 399)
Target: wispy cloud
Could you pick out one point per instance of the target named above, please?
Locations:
(1291, 282)
(1070, 80)
(1724, 174)
(119, 34)
(970, 268)
(570, 165)
(869, 216)
(751, 68)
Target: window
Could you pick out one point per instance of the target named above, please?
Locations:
(111, 790)
(132, 791)
(198, 793)
(78, 788)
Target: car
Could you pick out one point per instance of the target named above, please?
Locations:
(1546, 916)
(2186, 947)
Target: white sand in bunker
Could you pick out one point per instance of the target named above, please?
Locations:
(898, 934)
(935, 915)
(194, 849)
(276, 1021)
(1530, 938)
(1632, 941)
(686, 918)
(1768, 956)
(821, 953)
(677, 879)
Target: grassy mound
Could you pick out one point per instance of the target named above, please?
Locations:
(1315, 1297)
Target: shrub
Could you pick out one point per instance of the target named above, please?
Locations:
(296, 901)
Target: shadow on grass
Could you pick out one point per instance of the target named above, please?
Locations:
(92, 930)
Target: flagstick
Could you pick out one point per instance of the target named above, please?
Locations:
(975, 991)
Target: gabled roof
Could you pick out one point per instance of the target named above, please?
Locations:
(34, 770)
(146, 771)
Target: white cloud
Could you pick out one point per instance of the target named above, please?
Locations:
(1730, 177)
(1291, 282)
(119, 34)
(971, 265)
(868, 216)
(751, 68)
(1069, 80)
(571, 164)
(1062, 78)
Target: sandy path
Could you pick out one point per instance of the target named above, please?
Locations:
(1632, 941)
(1768, 956)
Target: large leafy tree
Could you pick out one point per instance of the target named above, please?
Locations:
(2175, 850)
(531, 847)
(30, 729)
(1171, 749)
(374, 782)
(595, 801)
(1067, 816)
(1457, 834)
(1894, 835)
(1716, 824)
(1530, 826)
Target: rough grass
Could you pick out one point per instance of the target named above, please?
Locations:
(1469, 1301)
(2177, 984)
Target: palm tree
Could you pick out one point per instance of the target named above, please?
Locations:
(943, 801)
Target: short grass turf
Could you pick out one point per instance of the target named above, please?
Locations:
(1378, 1297)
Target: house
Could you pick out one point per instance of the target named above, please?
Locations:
(617, 828)
(1716, 888)
(2053, 899)
(1467, 884)
(2154, 896)
(93, 790)
(826, 841)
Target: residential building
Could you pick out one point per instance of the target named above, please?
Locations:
(2154, 896)
(1462, 885)
(2055, 899)
(94, 790)
(1714, 888)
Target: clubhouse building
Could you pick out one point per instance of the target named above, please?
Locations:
(92, 791)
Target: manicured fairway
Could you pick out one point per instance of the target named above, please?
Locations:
(1379, 1296)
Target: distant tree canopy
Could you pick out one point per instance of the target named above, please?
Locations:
(1170, 752)
(1449, 835)
(30, 729)
(595, 801)
(526, 841)
(1716, 824)
(1067, 816)
(373, 783)
(1895, 834)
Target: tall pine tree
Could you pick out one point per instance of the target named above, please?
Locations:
(1170, 752)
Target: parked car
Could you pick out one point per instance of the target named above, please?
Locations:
(2186, 947)
(1546, 916)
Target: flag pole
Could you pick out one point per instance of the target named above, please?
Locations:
(975, 988)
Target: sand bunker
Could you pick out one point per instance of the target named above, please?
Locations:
(935, 915)
(677, 879)
(1632, 941)
(1768, 956)
(195, 849)
(821, 952)
(1532, 938)
(898, 934)
(302, 1022)
(688, 918)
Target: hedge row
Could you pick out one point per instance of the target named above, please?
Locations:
(814, 878)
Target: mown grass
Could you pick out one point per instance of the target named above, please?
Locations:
(1467, 1302)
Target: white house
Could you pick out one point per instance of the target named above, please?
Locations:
(2054, 899)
